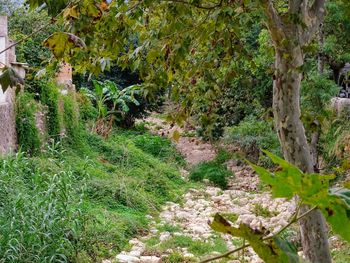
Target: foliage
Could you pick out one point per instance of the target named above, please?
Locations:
(127, 184)
(104, 198)
(27, 133)
(251, 135)
(158, 147)
(334, 140)
(273, 250)
(10, 78)
(87, 110)
(49, 96)
(72, 127)
(317, 91)
(313, 190)
(214, 171)
(287, 182)
(40, 212)
(112, 103)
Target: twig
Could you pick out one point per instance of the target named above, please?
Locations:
(226, 254)
(36, 31)
(294, 219)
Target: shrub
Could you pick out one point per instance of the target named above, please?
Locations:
(213, 171)
(73, 129)
(252, 135)
(49, 96)
(27, 133)
(86, 108)
(334, 140)
(158, 147)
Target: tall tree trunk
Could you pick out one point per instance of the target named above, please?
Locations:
(291, 132)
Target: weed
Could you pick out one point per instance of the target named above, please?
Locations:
(49, 96)
(27, 132)
(213, 171)
(259, 210)
(169, 228)
(230, 216)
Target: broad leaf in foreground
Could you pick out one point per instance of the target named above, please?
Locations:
(312, 189)
(270, 250)
(10, 78)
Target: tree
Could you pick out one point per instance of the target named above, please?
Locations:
(195, 48)
(7, 7)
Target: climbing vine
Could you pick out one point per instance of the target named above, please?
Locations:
(27, 132)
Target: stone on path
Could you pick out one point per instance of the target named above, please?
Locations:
(122, 258)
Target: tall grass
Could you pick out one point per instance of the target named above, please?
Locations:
(40, 213)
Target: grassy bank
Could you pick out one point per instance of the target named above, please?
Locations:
(82, 204)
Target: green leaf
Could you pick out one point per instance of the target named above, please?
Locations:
(288, 249)
(337, 211)
(312, 189)
(176, 135)
(61, 42)
(10, 78)
(268, 250)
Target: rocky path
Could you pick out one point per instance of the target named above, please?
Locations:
(182, 234)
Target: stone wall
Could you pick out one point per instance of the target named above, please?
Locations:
(8, 135)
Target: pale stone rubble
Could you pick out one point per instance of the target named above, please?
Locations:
(199, 207)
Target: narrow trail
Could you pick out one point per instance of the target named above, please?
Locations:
(188, 221)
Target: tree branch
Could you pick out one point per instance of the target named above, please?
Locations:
(274, 21)
(196, 5)
(35, 31)
(294, 218)
(313, 19)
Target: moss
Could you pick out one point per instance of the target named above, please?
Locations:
(27, 133)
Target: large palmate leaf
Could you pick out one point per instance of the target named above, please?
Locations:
(10, 78)
(270, 250)
(312, 189)
(61, 42)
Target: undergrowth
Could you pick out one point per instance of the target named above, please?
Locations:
(27, 134)
(83, 204)
(215, 171)
(252, 136)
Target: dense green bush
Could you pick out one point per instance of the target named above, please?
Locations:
(75, 208)
(49, 96)
(71, 122)
(213, 171)
(158, 147)
(87, 110)
(40, 213)
(252, 135)
(334, 141)
(27, 133)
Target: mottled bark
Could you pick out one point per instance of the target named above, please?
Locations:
(289, 36)
(286, 95)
